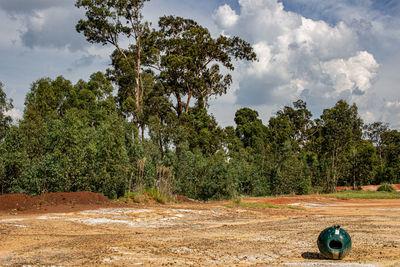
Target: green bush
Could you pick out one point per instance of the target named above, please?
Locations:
(136, 197)
(236, 199)
(386, 187)
(157, 195)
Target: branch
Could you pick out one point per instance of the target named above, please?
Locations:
(154, 67)
(120, 50)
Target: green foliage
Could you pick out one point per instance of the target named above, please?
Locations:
(146, 195)
(249, 129)
(290, 170)
(387, 188)
(136, 197)
(190, 168)
(46, 98)
(245, 176)
(190, 57)
(290, 178)
(297, 123)
(74, 137)
(364, 162)
(203, 131)
(157, 195)
(107, 22)
(5, 105)
(391, 155)
(104, 19)
(13, 161)
(338, 131)
(68, 140)
(364, 195)
(236, 200)
(373, 133)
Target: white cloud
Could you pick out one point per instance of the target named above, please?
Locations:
(355, 74)
(298, 58)
(15, 114)
(395, 104)
(225, 16)
(45, 24)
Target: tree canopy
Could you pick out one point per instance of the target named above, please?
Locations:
(5, 105)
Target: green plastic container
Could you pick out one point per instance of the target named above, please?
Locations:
(334, 243)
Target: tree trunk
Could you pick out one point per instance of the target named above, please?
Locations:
(178, 104)
(205, 100)
(188, 101)
(138, 63)
(333, 169)
(354, 167)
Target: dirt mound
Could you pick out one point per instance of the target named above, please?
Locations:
(15, 201)
(182, 198)
(396, 187)
(73, 198)
(23, 202)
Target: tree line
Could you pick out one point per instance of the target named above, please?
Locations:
(148, 112)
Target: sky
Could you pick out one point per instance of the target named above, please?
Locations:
(319, 51)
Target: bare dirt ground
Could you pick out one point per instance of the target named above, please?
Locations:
(87, 229)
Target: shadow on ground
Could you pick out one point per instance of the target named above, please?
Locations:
(312, 256)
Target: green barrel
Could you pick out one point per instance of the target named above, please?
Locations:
(334, 243)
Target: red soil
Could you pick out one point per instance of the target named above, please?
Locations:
(48, 202)
(64, 202)
(181, 198)
(397, 187)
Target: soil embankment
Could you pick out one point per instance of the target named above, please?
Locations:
(51, 202)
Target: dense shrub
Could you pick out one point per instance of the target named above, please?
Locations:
(386, 187)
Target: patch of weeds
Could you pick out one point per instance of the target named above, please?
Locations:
(386, 188)
(295, 207)
(259, 205)
(157, 195)
(236, 200)
(364, 194)
(316, 190)
(147, 195)
(136, 197)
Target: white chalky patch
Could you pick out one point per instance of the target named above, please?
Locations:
(115, 211)
(20, 226)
